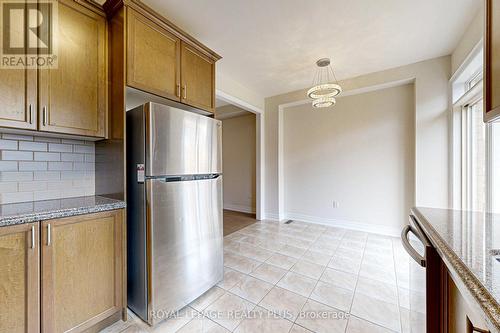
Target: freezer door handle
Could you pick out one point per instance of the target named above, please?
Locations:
(406, 243)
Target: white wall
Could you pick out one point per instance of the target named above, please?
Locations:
(235, 89)
(360, 154)
(238, 162)
(469, 40)
(431, 134)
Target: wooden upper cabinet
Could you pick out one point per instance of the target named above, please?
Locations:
(492, 62)
(73, 96)
(18, 98)
(161, 59)
(19, 279)
(82, 271)
(197, 78)
(152, 57)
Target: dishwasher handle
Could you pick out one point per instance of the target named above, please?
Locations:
(411, 251)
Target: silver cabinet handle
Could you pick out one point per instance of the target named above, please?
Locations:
(49, 240)
(406, 244)
(178, 91)
(44, 115)
(30, 113)
(32, 236)
(185, 91)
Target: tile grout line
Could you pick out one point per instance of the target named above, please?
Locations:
(356, 285)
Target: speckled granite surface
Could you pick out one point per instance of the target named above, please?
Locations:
(469, 244)
(27, 212)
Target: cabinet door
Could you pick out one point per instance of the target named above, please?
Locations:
(152, 57)
(82, 271)
(19, 279)
(197, 79)
(18, 98)
(73, 96)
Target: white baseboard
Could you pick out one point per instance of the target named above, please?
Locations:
(372, 228)
(271, 216)
(239, 208)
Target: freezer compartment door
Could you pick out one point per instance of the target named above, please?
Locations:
(179, 142)
(185, 228)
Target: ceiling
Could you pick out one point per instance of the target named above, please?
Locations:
(271, 46)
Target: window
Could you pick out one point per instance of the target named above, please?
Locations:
(475, 79)
(495, 168)
(476, 146)
(473, 157)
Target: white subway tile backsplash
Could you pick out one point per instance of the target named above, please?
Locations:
(32, 166)
(15, 176)
(84, 166)
(8, 165)
(60, 147)
(74, 192)
(90, 158)
(16, 197)
(47, 156)
(88, 149)
(47, 175)
(48, 195)
(42, 168)
(32, 186)
(32, 146)
(61, 166)
(8, 144)
(13, 155)
(44, 139)
(70, 157)
(58, 184)
(17, 137)
(73, 142)
(72, 175)
(8, 187)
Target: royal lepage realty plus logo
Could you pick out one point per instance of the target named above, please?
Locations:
(28, 34)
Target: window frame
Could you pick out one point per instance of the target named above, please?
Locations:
(461, 121)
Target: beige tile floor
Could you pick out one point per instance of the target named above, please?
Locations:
(299, 277)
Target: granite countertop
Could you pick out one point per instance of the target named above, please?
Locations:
(469, 244)
(27, 212)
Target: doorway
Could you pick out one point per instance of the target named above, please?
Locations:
(239, 164)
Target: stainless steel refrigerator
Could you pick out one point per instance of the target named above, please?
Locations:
(174, 208)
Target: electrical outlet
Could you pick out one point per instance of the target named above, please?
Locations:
(335, 204)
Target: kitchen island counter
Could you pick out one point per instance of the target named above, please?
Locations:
(469, 245)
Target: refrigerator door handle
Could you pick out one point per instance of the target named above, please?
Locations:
(406, 244)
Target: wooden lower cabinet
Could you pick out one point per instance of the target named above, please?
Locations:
(82, 271)
(19, 279)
